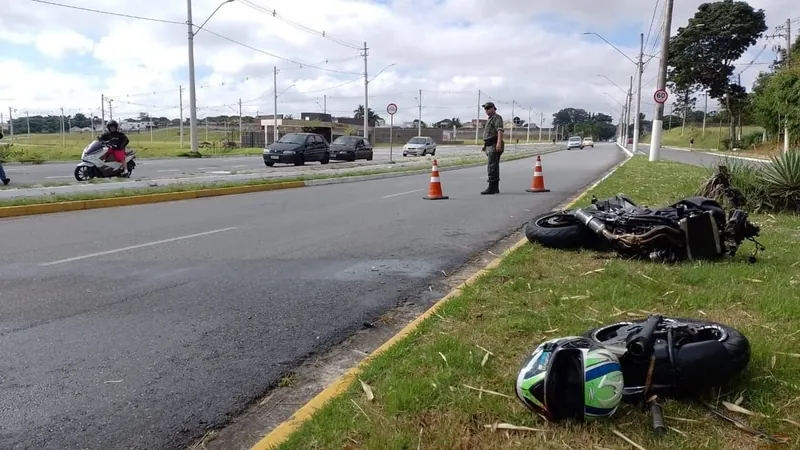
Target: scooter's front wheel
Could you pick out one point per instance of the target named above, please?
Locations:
(84, 173)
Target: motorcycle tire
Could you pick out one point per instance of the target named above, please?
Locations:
(718, 354)
(561, 230)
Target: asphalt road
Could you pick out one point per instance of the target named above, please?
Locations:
(139, 327)
(148, 169)
(697, 158)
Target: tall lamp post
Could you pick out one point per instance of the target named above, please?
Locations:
(192, 93)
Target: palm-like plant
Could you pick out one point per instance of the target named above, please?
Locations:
(781, 180)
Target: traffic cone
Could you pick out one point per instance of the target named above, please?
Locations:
(538, 178)
(435, 187)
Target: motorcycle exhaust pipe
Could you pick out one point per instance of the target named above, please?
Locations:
(593, 223)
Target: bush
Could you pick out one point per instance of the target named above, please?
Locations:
(752, 139)
(781, 180)
(9, 153)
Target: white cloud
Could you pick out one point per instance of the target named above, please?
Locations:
(449, 49)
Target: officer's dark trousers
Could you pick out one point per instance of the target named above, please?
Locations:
(493, 165)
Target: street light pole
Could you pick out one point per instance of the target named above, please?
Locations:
(639, 70)
(192, 91)
(658, 121)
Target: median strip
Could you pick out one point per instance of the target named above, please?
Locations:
(24, 206)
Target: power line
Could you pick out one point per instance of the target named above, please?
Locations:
(276, 56)
(301, 27)
(109, 13)
(652, 20)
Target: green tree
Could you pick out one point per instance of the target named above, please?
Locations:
(358, 113)
(704, 51)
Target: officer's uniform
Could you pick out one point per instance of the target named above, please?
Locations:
(493, 125)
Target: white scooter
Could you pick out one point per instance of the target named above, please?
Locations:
(97, 162)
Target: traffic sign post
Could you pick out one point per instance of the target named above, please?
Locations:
(391, 109)
(660, 96)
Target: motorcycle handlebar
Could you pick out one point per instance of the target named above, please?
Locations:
(642, 342)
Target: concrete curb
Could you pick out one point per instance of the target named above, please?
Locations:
(283, 431)
(625, 149)
(78, 205)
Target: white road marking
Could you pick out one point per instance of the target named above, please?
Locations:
(134, 247)
(168, 170)
(58, 176)
(207, 168)
(221, 172)
(402, 193)
(240, 165)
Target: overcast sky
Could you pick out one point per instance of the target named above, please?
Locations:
(529, 52)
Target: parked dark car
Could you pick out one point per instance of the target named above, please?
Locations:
(351, 148)
(297, 149)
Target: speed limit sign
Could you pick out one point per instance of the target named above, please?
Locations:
(660, 96)
(391, 109)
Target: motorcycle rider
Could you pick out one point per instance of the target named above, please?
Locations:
(117, 142)
(3, 176)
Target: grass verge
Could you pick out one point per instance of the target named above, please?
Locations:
(420, 398)
(708, 141)
(190, 186)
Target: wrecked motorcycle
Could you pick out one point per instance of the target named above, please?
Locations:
(673, 357)
(692, 228)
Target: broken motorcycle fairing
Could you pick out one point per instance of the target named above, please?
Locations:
(692, 228)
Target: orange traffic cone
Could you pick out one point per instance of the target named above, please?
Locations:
(435, 187)
(538, 178)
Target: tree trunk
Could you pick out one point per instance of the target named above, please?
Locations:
(685, 108)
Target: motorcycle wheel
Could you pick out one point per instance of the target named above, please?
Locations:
(84, 173)
(560, 229)
(716, 354)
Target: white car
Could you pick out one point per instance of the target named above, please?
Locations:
(588, 142)
(575, 142)
(419, 146)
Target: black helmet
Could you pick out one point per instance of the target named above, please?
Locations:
(112, 123)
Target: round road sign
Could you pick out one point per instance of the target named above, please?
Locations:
(660, 96)
(391, 109)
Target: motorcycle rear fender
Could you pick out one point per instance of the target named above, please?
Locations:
(86, 164)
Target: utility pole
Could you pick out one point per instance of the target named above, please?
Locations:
(180, 115)
(366, 94)
(478, 120)
(639, 71)
(511, 138)
(658, 121)
(102, 112)
(240, 122)
(63, 137)
(528, 134)
(207, 129)
(419, 120)
(628, 114)
(28, 121)
(705, 112)
(739, 138)
(325, 104)
(275, 104)
(788, 56)
(11, 123)
(192, 90)
(110, 109)
(541, 124)
(671, 112)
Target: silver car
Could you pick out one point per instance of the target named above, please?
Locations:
(419, 146)
(575, 142)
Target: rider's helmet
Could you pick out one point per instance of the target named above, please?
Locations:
(113, 124)
(571, 378)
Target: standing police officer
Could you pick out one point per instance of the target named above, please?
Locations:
(493, 146)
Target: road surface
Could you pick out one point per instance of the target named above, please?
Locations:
(139, 327)
(697, 158)
(148, 169)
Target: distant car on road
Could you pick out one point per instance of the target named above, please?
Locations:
(297, 149)
(588, 142)
(419, 146)
(351, 148)
(575, 142)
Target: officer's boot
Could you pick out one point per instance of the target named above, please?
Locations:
(494, 188)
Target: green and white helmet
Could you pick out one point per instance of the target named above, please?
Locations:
(571, 378)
